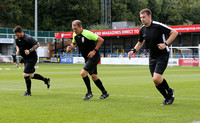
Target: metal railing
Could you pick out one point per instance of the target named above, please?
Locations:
(40, 39)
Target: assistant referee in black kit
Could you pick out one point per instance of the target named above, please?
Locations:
(26, 46)
(85, 40)
(153, 34)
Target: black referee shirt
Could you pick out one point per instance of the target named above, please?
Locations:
(26, 43)
(86, 42)
(153, 35)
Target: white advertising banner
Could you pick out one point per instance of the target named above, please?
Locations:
(125, 61)
(173, 62)
(78, 60)
(134, 61)
(6, 41)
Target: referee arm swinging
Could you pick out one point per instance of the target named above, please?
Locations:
(28, 51)
(135, 49)
(99, 43)
(173, 33)
(17, 52)
(72, 46)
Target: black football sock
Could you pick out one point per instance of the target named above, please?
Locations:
(28, 83)
(87, 83)
(161, 89)
(38, 76)
(166, 86)
(99, 84)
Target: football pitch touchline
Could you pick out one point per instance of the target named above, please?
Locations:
(99, 94)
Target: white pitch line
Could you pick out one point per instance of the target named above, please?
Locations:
(131, 96)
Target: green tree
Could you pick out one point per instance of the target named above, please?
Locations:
(120, 12)
(170, 12)
(57, 15)
(191, 11)
(154, 7)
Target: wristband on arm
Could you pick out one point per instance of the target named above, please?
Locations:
(134, 50)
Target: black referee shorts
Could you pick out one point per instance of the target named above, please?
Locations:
(91, 64)
(14, 58)
(29, 65)
(158, 65)
(21, 60)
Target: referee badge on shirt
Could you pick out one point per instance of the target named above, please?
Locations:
(83, 39)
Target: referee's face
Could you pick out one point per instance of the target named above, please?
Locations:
(145, 19)
(76, 28)
(19, 35)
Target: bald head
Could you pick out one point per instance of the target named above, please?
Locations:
(77, 22)
(77, 26)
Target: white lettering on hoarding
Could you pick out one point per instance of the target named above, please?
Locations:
(65, 60)
(187, 28)
(136, 31)
(97, 33)
(127, 31)
(6, 40)
(111, 32)
(63, 35)
(191, 61)
(131, 31)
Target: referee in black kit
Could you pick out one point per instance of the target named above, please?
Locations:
(85, 40)
(153, 34)
(26, 46)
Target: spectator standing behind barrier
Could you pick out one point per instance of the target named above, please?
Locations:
(115, 49)
(125, 55)
(134, 56)
(121, 55)
(63, 54)
(143, 55)
(154, 35)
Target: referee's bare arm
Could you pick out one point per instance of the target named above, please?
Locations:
(72, 45)
(172, 36)
(136, 48)
(28, 51)
(100, 41)
(17, 52)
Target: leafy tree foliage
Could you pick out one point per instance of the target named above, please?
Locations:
(57, 15)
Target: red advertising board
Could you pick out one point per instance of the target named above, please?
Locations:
(187, 28)
(188, 62)
(103, 33)
(131, 31)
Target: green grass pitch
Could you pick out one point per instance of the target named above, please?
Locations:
(133, 96)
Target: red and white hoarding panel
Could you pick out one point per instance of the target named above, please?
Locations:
(188, 62)
(131, 31)
(103, 33)
(187, 28)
